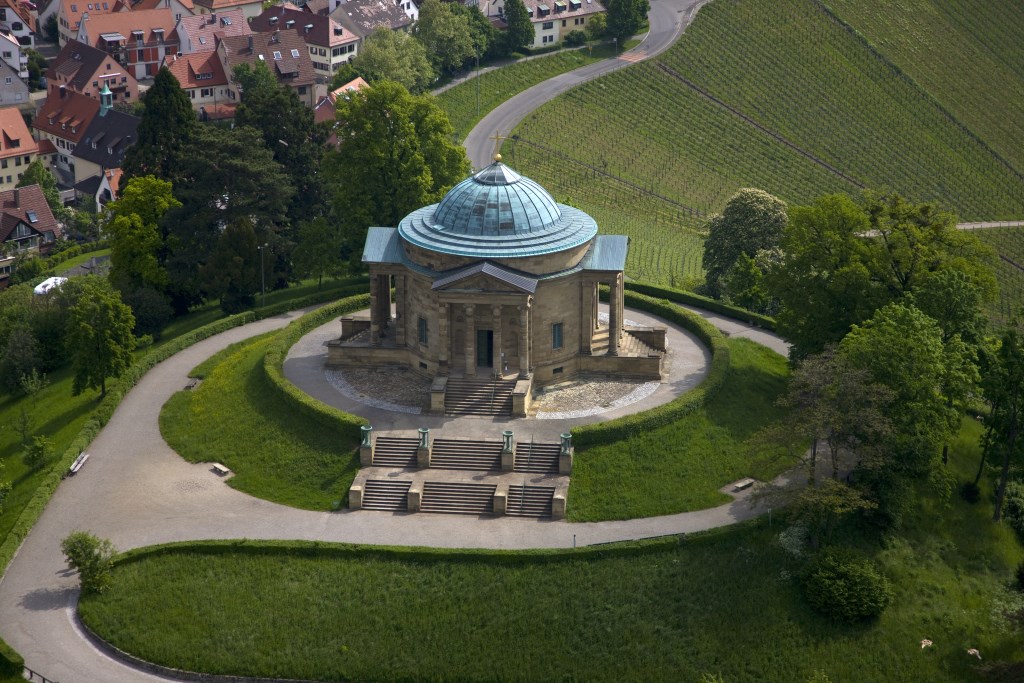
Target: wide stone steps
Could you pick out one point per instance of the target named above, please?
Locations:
(393, 451)
(599, 342)
(456, 498)
(537, 458)
(458, 454)
(529, 501)
(384, 494)
(635, 347)
(468, 397)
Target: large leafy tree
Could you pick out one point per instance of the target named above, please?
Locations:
(136, 241)
(395, 154)
(445, 35)
(99, 336)
(289, 132)
(318, 252)
(1003, 387)
(625, 17)
(232, 272)
(519, 34)
(394, 56)
(164, 132)
(751, 221)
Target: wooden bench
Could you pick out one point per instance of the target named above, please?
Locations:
(743, 484)
(79, 461)
(220, 469)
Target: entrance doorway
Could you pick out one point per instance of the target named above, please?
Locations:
(484, 348)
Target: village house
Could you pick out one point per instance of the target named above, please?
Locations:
(63, 120)
(329, 43)
(13, 90)
(201, 76)
(179, 8)
(70, 12)
(14, 55)
(250, 8)
(363, 17)
(552, 21)
(283, 51)
(103, 146)
(17, 19)
(17, 148)
(84, 69)
(27, 225)
(139, 40)
(199, 33)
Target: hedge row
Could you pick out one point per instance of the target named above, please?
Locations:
(354, 286)
(71, 252)
(618, 429)
(691, 299)
(345, 424)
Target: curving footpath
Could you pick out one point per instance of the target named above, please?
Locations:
(668, 19)
(137, 491)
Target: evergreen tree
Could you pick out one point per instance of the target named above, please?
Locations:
(164, 132)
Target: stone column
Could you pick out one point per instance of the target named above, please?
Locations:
(524, 339)
(587, 311)
(614, 315)
(470, 342)
(375, 309)
(384, 289)
(400, 310)
(496, 312)
(443, 338)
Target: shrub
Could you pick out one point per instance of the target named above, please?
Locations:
(575, 38)
(845, 586)
(970, 492)
(38, 452)
(1020, 576)
(1013, 506)
(93, 557)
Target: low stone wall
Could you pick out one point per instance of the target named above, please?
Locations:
(623, 366)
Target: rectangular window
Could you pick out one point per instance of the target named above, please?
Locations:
(421, 327)
(556, 336)
(548, 25)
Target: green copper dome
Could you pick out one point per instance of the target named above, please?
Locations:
(497, 213)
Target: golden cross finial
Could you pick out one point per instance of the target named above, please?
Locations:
(498, 138)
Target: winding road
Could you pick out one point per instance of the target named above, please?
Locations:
(136, 491)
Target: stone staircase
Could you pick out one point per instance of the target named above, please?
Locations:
(529, 501)
(537, 458)
(459, 454)
(385, 494)
(475, 397)
(456, 498)
(392, 451)
(629, 345)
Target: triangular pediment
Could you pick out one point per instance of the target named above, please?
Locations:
(485, 277)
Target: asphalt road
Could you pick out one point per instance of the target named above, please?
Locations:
(668, 19)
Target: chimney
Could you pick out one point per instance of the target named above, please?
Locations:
(250, 42)
(63, 91)
(213, 17)
(16, 195)
(274, 37)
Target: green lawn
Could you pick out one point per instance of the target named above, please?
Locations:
(680, 467)
(236, 417)
(498, 85)
(79, 260)
(725, 602)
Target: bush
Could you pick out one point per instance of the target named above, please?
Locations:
(1013, 506)
(845, 586)
(575, 38)
(970, 492)
(93, 557)
(1020, 576)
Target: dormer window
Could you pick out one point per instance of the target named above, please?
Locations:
(277, 55)
(32, 216)
(295, 53)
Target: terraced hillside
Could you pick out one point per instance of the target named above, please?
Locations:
(777, 94)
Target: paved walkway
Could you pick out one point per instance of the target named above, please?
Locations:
(136, 491)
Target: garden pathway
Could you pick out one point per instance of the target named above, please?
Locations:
(136, 491)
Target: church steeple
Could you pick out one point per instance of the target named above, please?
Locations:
(106, 99)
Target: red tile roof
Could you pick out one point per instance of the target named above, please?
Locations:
(15, 138)
(72, 10)
(146, 20)
(198, 70)
(293, 67)
(322, 30)
(15, 206)
(66, 116)
(202, 30)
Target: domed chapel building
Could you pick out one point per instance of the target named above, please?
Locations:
(497, 284)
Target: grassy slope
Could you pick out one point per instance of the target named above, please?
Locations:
(723, 603)
(680, 467)
(793, 69)
(235, 417)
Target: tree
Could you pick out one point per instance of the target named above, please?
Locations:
(20, 357)
(1003, 387)
(38, 452)
(394, 56)
(289, 131)
(752, 220)
(99, 336)
(597, 26)
(484, 35)
(319, 250)
(519, 34)
(164, 132)
(232, 273)
(136, 241)
(36, 68)
(92, 556)
(395, 154)
(445, 35)
(625, 17)
(37, 174)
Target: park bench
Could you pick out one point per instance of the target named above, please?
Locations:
(220, 469)
(79, 461)
(743, 484)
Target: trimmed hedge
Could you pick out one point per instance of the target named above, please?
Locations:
(71, 252)
(713, 305)
(346, 424)
(618, 429)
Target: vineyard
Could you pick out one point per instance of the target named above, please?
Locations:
(1009, 245)
(777, 95)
